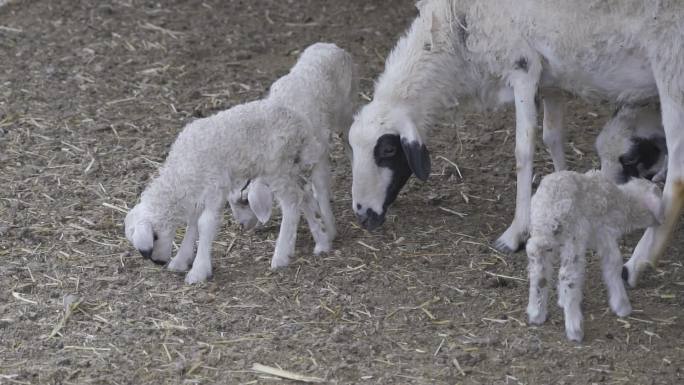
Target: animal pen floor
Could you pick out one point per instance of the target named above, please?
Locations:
(92, 93)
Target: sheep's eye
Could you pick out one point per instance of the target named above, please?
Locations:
(387, 150)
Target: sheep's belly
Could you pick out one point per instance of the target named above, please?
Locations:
(613, 74)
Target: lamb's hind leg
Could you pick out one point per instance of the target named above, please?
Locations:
(524, 80)
(540, 256)
(553, 128)
(655, 239)
(207, 226)
(186, 253)
(570, 283)
(611, 265)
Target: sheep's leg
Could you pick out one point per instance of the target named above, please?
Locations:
(540, 257)
(285, 244)
(570, 283)
(525, 82)
(655, 239)
(321, 186)
(553, 128)
(312, 213)
(186, 253)
(611, 261)
(207, 226)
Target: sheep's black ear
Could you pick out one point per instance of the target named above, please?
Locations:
(415, 150)
(418, 158)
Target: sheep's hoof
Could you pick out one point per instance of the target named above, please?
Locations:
(197, 276)
(630, 274)
(512, 240)
(511, 247)
(625, 274)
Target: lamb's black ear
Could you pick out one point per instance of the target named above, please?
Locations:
(418, 157)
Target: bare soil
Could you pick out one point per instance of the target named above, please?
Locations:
(92, 94)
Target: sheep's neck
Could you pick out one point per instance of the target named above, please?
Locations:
(427, 76)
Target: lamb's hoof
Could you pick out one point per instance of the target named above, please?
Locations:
(178, 265)
(576, 335)
(536, 317)
(622, 309)
(573, 326)
(279, 262)
(197, 276)
(322, 249)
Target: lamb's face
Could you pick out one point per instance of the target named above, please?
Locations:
(154, 242)
(386, 150)
(625, 154)
(644, 157)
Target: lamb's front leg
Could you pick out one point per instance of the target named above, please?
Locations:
(524, 89)
(611, 266)
(285, 244)
(208, 224)
(185, 255)
(312, 213)
(540, 255)
(321, 184)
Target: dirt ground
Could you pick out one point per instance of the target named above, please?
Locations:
(92, 94)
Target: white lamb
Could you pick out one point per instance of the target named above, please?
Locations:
(632, 144)
(264, 140)
(493, 52)
(331, 116)
(570, 213)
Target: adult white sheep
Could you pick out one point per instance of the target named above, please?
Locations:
(491, 52)
(216, 155)
(632, 144)
(570, 213)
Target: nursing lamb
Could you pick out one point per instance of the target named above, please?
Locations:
(570, 213)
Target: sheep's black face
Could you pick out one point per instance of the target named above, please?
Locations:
(392, 166)
(386, 150)
(643, 159)
(379, 174)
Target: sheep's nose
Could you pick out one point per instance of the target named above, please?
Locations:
(369, 219)
(147, 254)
